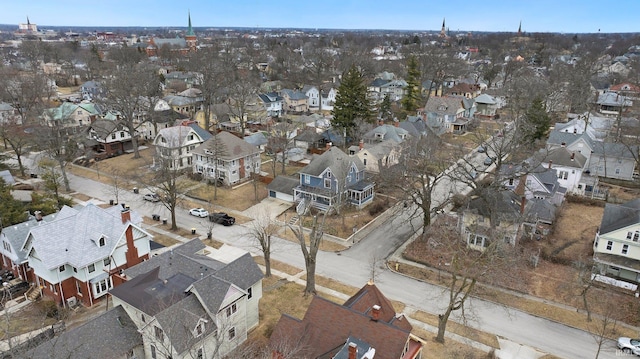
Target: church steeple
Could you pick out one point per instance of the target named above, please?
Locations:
(520, 28)
(190, 37)
(443, 30)
(190, 29)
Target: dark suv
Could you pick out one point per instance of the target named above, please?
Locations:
(222, 218)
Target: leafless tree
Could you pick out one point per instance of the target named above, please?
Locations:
(605, 326)
(19, 138)
(279, 141)
(60, 144)
(131, 93)
(310, 244)
(243, 98)
(261, 229)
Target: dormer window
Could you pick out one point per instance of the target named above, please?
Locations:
(200, 327)
(101, 242)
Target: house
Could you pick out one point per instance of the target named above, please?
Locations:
(380, 88)
(626, 89)
(385, 132)
(463, 89)
(364, 326)
(186, 103)
(377, 156)
(192, 301)
(309, 140)
(258, 139)
(189, 79)
(447, 114)
(71, 115)
(7, 113)
(491, 216)
(604, 159)
(616, 249)
(295, 101)
(272, 103)
(486, 106)
(91, 90)
(77, 255)
(569, 166)
(108, 138)
(331, 179)
(611, 103)
(328, 99)
(174, 146)
(94, 339)
(13, 238)
(227, 158)
(538, 183)
(313, 96)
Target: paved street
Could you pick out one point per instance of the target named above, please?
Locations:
(353, 267)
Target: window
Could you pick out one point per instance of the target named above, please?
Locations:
(200, 354)
(61, 268)
(327, 183)
(113, 136)
(75, 270)
(231, 309)
(190, 137)
(199, 329)
(158, 333)
(79, 288)
(625, 249)
(629, 235)
(91, 268)
(609, 245)
(636, 236)
(510, 181)
(364, 161)
(153, 352)
(101, 287)
(122, 134)
(101, 242)
(232, 333)
(107, 261)
(563, 175)
(617, 171)
(477, 240)
(249, 293)
(307, 179)
(144, 320)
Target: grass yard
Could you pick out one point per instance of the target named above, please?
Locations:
(239, 198)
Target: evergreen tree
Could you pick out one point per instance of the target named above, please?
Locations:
(12, 211)
(352, 106)
(385, 108)
(411, 99)
(536, 121)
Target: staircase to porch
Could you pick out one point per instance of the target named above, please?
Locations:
(33, 293)
(293, 220)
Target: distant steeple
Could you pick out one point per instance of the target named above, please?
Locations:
(28, 21)
(190, 29)
(443, 30)
(520, 28)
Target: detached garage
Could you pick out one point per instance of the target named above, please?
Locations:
(282, 188)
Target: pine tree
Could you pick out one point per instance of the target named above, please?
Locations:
(385, 108)
(536, 121)
(352, 106)
(412, 98)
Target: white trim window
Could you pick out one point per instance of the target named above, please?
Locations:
(101, 287)
(232, 309)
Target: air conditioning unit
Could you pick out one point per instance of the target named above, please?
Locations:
(72, 302)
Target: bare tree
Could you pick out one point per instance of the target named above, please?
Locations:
(605, 326)
(60, 144)
(243, 98)
(261, 229)
(585, 282)
(131, 93)
(279, 141)
(19, 138)
(310, 244)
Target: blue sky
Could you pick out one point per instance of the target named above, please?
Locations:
(566, 16)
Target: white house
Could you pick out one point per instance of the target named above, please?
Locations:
(313, 96)
(193, 301)
(227, 158)
(175, 146)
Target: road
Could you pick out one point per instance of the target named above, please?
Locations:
(353, 267)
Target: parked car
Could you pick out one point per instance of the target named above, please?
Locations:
(488, 161)
(222, 218)
(199, 212)
(151, 197)
(629, 345)
(481, 149)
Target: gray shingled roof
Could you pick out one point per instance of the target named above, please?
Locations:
(332, 159)
(283, 184)
(204, 134)
(617, 216)
(175, 136)
(110, 335)
(179, 320)
(562, 156)
(232, 147)
(72, 239)
(443, 105)
(388, 132)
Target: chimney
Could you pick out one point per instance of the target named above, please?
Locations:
(132, 252)
(380, 122)
(375, 312)
(353, 350)
(573, 156)
(523, 203)
(550, 163)
(361, 145)
(396, 123)
(38, 216)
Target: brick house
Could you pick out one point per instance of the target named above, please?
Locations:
(78, 255)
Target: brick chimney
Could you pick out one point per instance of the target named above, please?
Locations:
(550, 163)
(375, 312)
(396, 123)
(132, 252)
(523, 203)
(573, 156)
(361, 145)
(353, 350)
(38, 216)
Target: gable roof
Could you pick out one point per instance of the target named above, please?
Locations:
(231, 147)
(93, 339)
(103, 128)
(175, 136)
(72, 239)
(563, 157)
(446, 105)
(204, 134)
(370, 295)
(326, 326)
(485, 99)
(388, 132)
(333, 159)
(617, 216)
